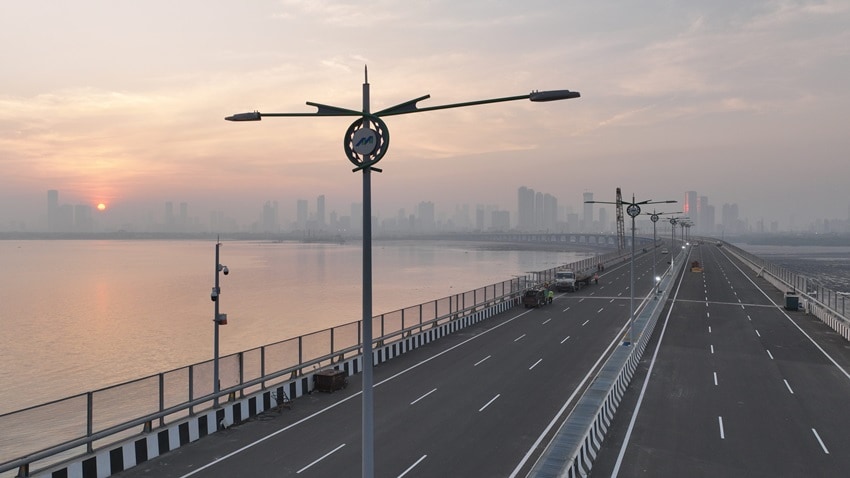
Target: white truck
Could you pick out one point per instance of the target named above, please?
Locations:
(572, 280)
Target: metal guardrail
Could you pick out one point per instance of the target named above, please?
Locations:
(78, 424)
(824, 303)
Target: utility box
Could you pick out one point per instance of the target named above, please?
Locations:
(330, 380)
(792, 301)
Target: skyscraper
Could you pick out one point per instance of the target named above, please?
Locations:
(587, 220)
(690, 208)
(320, 210)
(525, 209)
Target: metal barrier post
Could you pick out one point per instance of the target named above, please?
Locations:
(161, 397)
(89, 419)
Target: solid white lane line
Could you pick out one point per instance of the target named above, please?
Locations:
(518, 338)
(545, 321)
(535, 364)
(789, 386)
(715, 379)
(481, 361)
(585, 323)
(770, 354)
(568, 337)
(412, 466)
(423, 396)
(722, 433)
(820, 441)
(491, 401)
(321, 458)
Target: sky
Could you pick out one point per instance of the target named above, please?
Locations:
(123, 103)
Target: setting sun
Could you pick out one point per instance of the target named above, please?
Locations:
(101, 207)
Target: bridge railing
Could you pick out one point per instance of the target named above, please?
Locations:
(824, 303)
(45, 434)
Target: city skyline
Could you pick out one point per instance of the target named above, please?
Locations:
(535, 212)
(745, 103)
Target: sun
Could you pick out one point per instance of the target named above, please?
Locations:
(101, 207)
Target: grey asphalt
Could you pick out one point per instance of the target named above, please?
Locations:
(475, 403)
(739, 387)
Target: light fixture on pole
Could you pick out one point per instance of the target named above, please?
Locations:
(633, 210)
(365, 143)
(673, 249)
(218, 319)
(653, 216)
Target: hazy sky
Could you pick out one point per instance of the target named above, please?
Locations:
(122, 102)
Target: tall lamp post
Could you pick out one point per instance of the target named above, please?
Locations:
(653, 216)
(633, 210)
(673, 249)
(365, 143)
(218, 319)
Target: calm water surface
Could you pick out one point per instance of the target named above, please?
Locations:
(81, 315)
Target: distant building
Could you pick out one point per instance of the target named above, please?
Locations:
(269, 222)
(320, 211)
(587, 220)
(690, 208)
(525, 209)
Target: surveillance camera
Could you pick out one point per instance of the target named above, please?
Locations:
(225, 270)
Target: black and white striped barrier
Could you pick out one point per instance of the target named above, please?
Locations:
(128, 454)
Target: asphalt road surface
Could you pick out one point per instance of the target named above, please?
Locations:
(733, 385)
(480, 402)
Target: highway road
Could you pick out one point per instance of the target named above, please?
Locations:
(733, 385)
(480, 402)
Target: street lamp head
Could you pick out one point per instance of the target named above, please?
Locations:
(553, 95)
(252, 116)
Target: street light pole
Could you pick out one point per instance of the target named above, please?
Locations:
(218, 319)
(366, 141)
(673, 249)
(633, 210)
(654, 218)
(368, 425)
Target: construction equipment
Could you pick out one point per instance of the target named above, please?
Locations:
(621, 226)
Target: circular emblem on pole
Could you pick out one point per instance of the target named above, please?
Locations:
(366, 145)
(633, 210)
(653, 218)
(673, 221)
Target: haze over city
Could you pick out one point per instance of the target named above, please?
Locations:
(123, 104)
